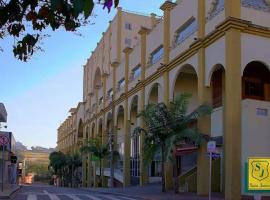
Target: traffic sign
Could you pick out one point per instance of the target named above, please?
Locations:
(211, 146)
(4, 140)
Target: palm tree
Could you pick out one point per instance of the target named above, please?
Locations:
(73, 162)
(99, 151)
(168, 126)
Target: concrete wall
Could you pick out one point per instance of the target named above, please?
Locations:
(255, 131)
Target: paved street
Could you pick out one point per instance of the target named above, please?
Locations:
(52, 193)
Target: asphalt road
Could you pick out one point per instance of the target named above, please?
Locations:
(53, 193)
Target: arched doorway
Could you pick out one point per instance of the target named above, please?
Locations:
(186, 81)
(155, 167)
(120, 136)
(134, 144)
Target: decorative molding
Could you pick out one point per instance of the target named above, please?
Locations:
(261, 5)
(217, 6)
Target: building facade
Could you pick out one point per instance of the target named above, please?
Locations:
(8, 159)
(217, 50)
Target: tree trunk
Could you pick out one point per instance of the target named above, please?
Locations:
(176, 179)
(100, 177)
(163, 168)
(72, 171)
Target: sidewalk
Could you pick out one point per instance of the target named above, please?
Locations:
(8, 191)
(153, 192)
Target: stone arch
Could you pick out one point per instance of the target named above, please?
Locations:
(109, 123)
(186, 81)
(213, 69)
(134, 143)
(97, 78)
(133, 103)
(100, 127)
(87, 132)
(154, 93)
(120, 132)
(93, 130)
(80, 129)
(217, 85)
(120, 117)
(256, 81)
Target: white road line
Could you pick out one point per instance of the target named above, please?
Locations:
(110, 197)
(116, 198)
(31, 197)
(92, 197)
(127, 198)
(72, 196)
(52, 196)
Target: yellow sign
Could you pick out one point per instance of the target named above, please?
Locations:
(259, 174)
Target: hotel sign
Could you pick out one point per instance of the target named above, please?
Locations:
(258, 174)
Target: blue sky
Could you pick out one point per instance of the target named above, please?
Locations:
(39, 93)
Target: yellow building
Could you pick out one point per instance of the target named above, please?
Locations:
(217, 50)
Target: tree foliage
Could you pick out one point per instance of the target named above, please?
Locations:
(57, 161)
(98, 151)
(25, 20)
(65, 166)
(168, 126)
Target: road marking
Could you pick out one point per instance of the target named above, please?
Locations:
(31, 197)
(52, 196)
(92, 197)
(116, 198)
(72, 196)
(127, 198)
(110, 197)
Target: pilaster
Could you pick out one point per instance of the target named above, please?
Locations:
(126, 173)
(232, 115)
(232, 105)
(204, 96)
(167, 6)
(119, 34)
(143, 169)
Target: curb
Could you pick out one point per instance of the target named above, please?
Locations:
(11, 193)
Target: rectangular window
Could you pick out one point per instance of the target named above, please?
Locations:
(128, 26)
(157, 54)
(136, 71)
(186, 30)
(121, 84)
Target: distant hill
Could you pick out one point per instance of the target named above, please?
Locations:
(42, 149)
(21, 147)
